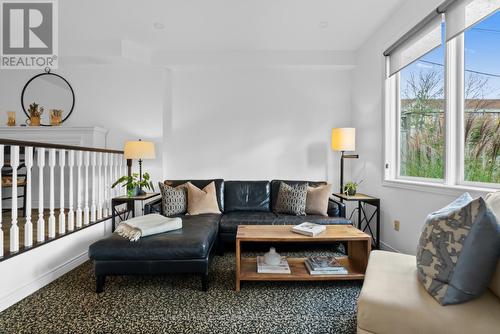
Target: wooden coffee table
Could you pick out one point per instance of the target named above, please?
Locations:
(358, 244)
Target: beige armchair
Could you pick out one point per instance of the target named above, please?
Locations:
(392, 300)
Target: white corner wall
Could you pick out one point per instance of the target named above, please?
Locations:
(27, 272)
(255, 122)
(410, 207)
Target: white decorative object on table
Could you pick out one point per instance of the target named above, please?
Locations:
(272, 258)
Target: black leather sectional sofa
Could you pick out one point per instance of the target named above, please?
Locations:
(189, 250)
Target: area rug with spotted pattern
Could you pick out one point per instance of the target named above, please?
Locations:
(176, 304)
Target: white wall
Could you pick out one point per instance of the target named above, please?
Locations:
(126, 100)
(409, 206)
(255, 123)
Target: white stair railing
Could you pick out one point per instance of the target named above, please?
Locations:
(40, 224)
(79, 183)
(93, 207)
(28, 225)
(62, 215)
(52, 218)
(105, 167)
(86, 211)
(100, 188)
(71, 214)
(14, 229)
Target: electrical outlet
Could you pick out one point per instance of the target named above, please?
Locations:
(396, 225)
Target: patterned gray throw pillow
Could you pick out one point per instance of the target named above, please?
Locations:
(292, 199)
(458, 251)
(173, 200)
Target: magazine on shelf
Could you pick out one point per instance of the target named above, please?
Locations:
(263, 268)
(309, 229)
(339, 271)
(325, 263)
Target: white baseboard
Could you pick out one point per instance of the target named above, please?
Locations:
(386, 246)
(41, 281)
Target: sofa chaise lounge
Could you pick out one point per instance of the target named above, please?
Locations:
(189, 250)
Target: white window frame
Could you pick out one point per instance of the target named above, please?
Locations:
(454, 176)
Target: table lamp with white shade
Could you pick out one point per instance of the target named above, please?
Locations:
(344, 139)
(140, 150)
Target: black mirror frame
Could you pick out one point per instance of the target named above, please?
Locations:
(47, 72)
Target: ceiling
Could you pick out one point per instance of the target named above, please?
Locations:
(226, 24)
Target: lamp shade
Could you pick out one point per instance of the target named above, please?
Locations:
(139, 150)
(344, 139)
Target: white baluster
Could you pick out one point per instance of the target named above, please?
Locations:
(28, 226)
(40, 225)
(1, 209)
(93, 205)
(52, 218)
(79, 161)
(105, 161)
(14, 229)
(123, 165)
(71, 214)
(116, 190)
(99, 186)
(110, 182)
(86, 213)
(62, 215)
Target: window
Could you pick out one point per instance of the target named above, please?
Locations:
(482, 101)
(443, 98)
(421, 114)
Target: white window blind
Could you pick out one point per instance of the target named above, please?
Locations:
(462, 14)
(415, 46)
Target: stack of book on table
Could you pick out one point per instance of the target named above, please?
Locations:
(324, 265)
(264, 268)
(309, 229)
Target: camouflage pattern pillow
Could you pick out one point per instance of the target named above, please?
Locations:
(458, 251)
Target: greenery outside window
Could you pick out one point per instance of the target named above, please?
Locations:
(442, 98)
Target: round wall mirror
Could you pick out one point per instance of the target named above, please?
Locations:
(51, 92)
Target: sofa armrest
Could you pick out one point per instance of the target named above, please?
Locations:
(153, 207)
(336, 208)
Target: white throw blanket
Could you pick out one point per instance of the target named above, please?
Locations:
(143, 226)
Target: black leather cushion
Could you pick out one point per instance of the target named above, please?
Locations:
(275, 187)
(283, 219)
(219, 188)
(246, 196)
(193, 241)
(230, 221)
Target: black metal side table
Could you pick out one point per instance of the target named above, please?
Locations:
(130, 201)
(362, 216)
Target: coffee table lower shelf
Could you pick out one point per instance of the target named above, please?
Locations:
(358, 250)
(298, 271)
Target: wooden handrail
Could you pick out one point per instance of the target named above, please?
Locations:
(57, 146)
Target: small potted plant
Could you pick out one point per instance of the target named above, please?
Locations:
(350, 188)
(35, 111)
(55, 117)
(134, 183)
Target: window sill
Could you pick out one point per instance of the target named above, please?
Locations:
(436, 188)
